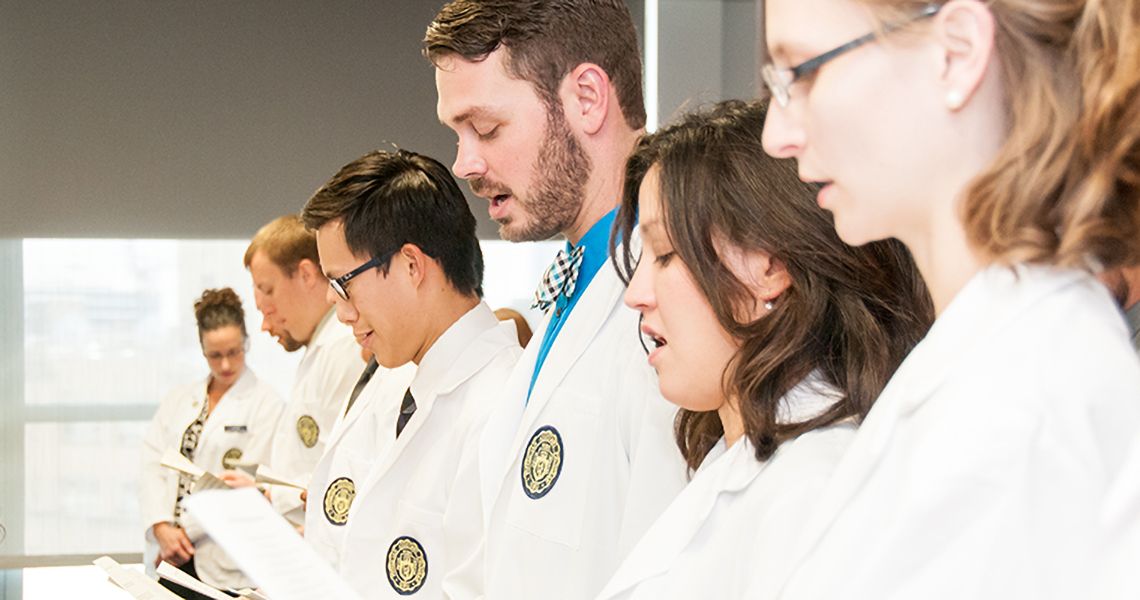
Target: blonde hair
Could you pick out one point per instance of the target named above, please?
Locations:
(286, 242)
(1064, 188)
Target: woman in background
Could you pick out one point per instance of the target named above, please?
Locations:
(227, 418)
(1000, 141)
(772, 336)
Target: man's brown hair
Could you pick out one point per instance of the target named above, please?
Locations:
(286, 242)
(545, 40)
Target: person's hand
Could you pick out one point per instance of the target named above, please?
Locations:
(174, 547)
(237, 479)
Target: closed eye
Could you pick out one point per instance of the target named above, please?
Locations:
(488, 135)
(663, 259)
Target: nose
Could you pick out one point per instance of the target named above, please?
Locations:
(639, 294)
(468, 161)
(345, 311)
(226, 363)
(783, 136)
(265, 323)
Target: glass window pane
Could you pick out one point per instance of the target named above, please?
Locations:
(81, 484)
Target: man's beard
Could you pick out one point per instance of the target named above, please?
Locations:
(557, 186)
(288, 342)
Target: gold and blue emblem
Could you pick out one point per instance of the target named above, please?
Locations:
(338, 499)
(308, 430)
(407, 565)
(231, 458)
(542, 463)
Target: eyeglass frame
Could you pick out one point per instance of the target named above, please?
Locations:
(780, 87)
(340, 284)
(214, 357)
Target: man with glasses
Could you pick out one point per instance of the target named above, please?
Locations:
(398, 491)
(289, 291)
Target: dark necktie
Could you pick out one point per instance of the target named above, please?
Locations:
(407, 409)
(365, 377)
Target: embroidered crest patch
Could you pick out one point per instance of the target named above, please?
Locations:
(231, 458)
(542, 463)
(308, 430)
(338, 499)
(407, 565)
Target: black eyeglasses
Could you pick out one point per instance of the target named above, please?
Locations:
(779, 81)
(340, 284)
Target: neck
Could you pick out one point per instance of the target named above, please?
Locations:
(318, 309)
(443, 314)
(944, 256)
(603, 189)
(731, 421)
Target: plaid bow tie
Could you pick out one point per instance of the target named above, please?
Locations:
(559, 279)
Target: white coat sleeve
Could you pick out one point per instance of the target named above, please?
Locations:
(158, 486)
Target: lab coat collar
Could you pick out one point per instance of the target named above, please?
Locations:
(450, 361)
(725, 471)
(326, 331)
(582, 326)
(239, 391)
(461, 352)
(981, 311)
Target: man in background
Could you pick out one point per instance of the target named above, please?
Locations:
(289, 290)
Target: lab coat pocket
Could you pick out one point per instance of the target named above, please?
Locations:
(416, 555)
(551, 486)
(235, 446)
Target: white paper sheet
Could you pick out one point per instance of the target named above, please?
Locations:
(248, 593)
(266, 475)
(209, 482)
(137, 584)
(265, 546)
(173, 459)
(173, 573)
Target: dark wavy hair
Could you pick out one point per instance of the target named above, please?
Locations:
(850, 314)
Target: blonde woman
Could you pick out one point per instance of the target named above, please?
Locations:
(1000, 141)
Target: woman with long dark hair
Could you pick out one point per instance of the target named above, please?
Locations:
(772, 336)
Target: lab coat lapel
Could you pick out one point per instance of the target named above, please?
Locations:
(502, 426)
(587, 318)
(228, 402)
(991, 299)
(367, 396)
(663, 544)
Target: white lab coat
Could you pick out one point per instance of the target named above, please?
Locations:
(728, 531)
(357, 440)
(425, 487)
(324, 380)
(982, 469)
(245, 418)
(620, 466)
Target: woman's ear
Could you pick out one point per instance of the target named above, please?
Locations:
(964, 30)
(763, 275)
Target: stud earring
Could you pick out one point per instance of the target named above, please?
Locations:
(769, 305)
(954, 100)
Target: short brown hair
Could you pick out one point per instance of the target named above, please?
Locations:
(850, 314)
(286, 242)
(545, 40)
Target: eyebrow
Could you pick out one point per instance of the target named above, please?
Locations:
(470, 113)
(650, 228)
